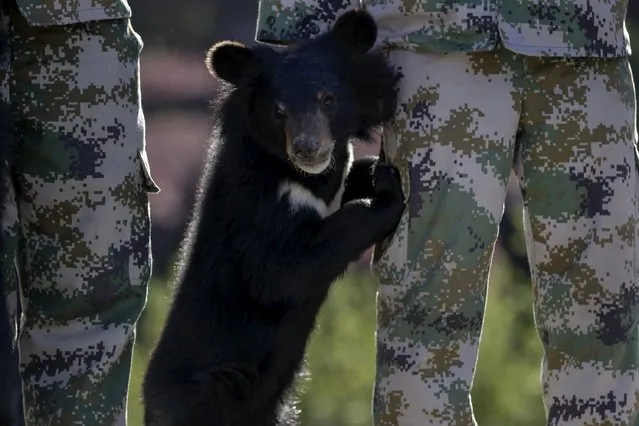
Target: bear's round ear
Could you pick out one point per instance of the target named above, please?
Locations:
(356, 29)
(231, 61)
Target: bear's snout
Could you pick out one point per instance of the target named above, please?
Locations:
(309, 142)
(305, 148)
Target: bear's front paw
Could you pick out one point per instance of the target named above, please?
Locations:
(389, 198)
(388, 185)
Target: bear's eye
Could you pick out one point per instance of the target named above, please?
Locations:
(278, 112)
(329, 101)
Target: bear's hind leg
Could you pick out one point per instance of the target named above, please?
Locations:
(212, 396)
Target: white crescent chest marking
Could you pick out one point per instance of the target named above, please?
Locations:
(300, 197)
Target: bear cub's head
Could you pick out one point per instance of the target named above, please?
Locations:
(305, 102)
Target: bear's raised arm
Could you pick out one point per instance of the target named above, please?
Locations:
(360, 182)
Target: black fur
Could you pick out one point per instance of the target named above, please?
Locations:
(10, 383)
(360, 182)
(254, 271)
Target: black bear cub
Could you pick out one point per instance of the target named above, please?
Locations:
(273, 225)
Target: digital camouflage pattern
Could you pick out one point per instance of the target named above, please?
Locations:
(62, 12)
(465, 119)
(568, 127)
(549, 28)
(79, 221)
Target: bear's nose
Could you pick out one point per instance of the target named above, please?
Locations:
(305, 148)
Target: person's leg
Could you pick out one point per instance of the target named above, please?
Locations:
(579, 177)
(82, 189)
(453, 141)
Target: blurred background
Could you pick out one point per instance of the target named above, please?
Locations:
(176, 91)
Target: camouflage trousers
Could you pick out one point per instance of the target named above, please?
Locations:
(567, 128)
(78, 219)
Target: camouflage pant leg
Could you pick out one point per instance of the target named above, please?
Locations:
(81, 189)
(453, 139)
(579, 175)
